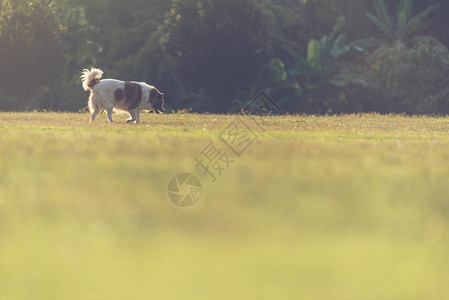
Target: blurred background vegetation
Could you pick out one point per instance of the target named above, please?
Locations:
(315, 56)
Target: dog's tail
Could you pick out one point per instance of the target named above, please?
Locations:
(90, 78)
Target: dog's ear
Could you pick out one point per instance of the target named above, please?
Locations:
(152, 98)
(161, 101)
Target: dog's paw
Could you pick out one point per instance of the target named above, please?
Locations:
(130, 121)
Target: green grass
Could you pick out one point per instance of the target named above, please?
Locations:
(332, 207)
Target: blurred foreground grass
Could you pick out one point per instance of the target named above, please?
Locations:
(346, 207)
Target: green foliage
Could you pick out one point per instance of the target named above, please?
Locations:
(414, 78)
(79, 48)
(43, 46)
(217, 55)
(323, 69)
(313, 55)
(30, 48)
(408, 71)
(217, 46)
(331, 48)
(403, 26)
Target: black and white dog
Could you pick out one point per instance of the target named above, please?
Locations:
(129, 96)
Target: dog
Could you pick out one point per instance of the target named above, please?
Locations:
(129, 96)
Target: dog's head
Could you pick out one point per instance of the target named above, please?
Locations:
(157, 100)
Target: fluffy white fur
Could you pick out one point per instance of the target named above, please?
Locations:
(102, 96)
(87, 76)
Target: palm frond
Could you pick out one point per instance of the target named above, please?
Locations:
(402, 23)
(421, 16)
(383, 27)
(405, 7)
(382, 14)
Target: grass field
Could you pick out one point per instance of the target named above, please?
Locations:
(333, 207)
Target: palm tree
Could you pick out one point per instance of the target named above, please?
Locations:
(402, 27)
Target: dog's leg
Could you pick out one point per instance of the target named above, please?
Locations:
(132, 114)
(94, 114)
(109, 115)
(138, 117)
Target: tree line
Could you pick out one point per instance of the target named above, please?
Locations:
(315, 56)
